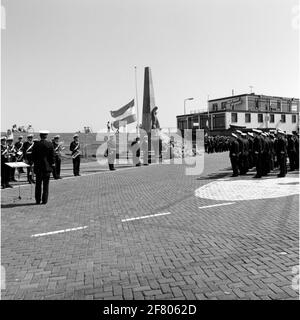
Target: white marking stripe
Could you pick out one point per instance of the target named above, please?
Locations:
(217, 205)
(145, 217)
(58, 231)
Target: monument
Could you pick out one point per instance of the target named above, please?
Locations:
(148, 101)
(150, 121)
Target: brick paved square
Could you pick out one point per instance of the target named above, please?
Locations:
(193, 250)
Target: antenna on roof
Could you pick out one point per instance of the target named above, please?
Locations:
(251, 87)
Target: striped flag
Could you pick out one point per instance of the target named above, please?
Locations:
(125, 114)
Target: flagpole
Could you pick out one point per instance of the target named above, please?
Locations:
(137, 104)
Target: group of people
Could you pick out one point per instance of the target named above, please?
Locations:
(266, 151)
(216, 144)
(42, 157)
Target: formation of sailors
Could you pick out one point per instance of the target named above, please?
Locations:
(216, 144)
(266, 151)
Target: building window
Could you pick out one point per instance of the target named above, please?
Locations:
(215, 107)
(272, 118)
(233, 117)
(259, 117)
(294, 118)
(223, 105)
(283, 118)
(278, 105)
(248, 117)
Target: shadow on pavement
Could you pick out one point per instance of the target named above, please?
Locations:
(13, 205)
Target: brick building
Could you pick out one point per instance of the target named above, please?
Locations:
(246, 111)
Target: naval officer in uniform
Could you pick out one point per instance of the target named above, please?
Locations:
(43, 159)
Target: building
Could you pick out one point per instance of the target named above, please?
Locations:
(245, 111)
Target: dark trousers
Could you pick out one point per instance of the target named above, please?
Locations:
(76, 166)
(111, 160)
(292, 159)
(29, 172)
(234, 165)
(12, 172)
(4, 175)
(282, 165)
(42, 179)
(259, 165)
(56, 171)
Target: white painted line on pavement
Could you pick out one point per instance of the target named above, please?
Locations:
(145, 217)
(58, 231)
(217, 205)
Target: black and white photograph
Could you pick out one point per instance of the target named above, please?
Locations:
(150, 153)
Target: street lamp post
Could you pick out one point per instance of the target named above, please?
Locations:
(187, 124)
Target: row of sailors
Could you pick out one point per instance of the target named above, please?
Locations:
(22, 151)
(216, 144)
(264, 150)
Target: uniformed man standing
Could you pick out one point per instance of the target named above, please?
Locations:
(250, 157)
(43, 159)
(241, 151)
(281, 153)
(265, 155)
(291, 151)
(4, 167)
(234, 155)
(296, 140)
(75, 149)
(27, 156)
(11, 157)
(258, 150)
(245, 155)
(57, 157)
(111, 150)
(19, 151)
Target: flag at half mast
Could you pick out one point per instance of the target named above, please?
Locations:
(125, 115)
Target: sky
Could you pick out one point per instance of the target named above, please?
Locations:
(66, 63)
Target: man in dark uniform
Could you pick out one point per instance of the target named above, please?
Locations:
(234, 155)
(272, 150)
(57, 157)
(11, 157)
(19, 151)
(281, 153)
(296, 140)
(241, 151)
(75, 149)
(43, 159)
(245, 155)
(250, 158)
(265, 155)
(4, 168)
(27, 156)
(291, 151)
(257, 149)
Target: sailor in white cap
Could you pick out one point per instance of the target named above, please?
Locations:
(4, 168)
(291, 151)
(75, 150)
(27, 156)
(250, 139)
(281, 153)
(11, 157)
(258, 144)
(240, 141)
(43, 158)
(234, 155)
(57, 155)
(19, 151)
